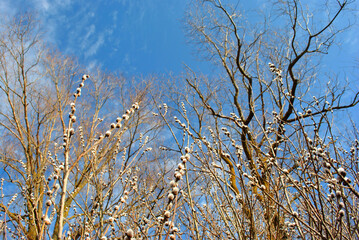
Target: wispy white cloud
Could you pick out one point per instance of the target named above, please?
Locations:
(95, 46)
(92, 65)
(63, 3)
(43, 5)
(91, 31)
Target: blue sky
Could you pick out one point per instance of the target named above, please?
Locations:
(129, 36)
(138, 36)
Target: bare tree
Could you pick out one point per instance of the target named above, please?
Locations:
(267, 162)
(68, 163)
(28, 118)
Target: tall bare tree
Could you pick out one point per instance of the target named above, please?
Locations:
(65, 160)
(267, 161)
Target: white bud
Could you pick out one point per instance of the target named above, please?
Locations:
(175, 190)
(48, 203)
(173, 183)
(341, 171)
(171, 197)
(167, 214)
(47, 220)
(129, 233)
